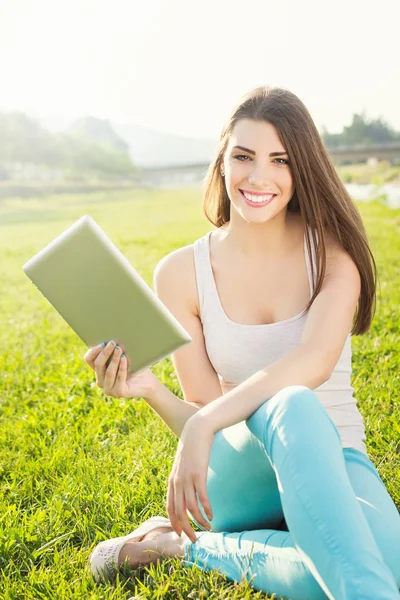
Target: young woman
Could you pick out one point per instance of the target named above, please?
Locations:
(271, 461)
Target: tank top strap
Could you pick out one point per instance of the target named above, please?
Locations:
(312, 280)
(204, 276)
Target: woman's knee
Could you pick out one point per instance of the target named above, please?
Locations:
(293, 397)
(297, 409)
(287, 397)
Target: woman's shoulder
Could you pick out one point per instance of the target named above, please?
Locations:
(334, 250)
(339, 263)
(179, 266)
(337, 258)
(181, 258)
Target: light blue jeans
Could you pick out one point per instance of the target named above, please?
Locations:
(294, 511)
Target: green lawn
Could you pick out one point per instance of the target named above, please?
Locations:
(77, 467)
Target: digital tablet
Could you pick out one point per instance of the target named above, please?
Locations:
(102, 297)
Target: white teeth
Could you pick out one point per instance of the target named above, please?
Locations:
(258, 198)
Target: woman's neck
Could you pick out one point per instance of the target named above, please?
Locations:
(255, 243)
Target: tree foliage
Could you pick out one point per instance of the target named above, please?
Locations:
(362, 132)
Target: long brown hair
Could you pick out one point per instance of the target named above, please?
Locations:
(319, 196)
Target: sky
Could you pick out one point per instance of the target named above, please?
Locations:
(180, 66)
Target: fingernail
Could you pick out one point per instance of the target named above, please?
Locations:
(122, 355)
(117, 347)
(112, 342)
(103, 345)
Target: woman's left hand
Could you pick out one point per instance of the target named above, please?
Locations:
(188, 476)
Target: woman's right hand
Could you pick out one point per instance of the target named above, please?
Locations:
(113, 377)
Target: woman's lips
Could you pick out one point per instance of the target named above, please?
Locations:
(257, 204)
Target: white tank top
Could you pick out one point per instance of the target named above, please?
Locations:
(237, 351)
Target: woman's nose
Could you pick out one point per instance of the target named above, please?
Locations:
(259, 178)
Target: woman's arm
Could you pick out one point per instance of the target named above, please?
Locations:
(173, 411)
(175, 284)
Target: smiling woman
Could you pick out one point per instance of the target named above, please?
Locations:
(272, 464)
(251, 166)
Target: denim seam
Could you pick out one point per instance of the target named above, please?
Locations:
(308, 507)
(193, 554)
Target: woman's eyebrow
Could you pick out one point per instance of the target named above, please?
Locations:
(252, 151)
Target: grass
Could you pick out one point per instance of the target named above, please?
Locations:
(78, 467)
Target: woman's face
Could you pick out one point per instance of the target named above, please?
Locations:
(255, 171)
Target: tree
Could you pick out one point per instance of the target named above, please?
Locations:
(361, 132)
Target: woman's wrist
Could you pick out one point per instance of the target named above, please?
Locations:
(155, 391)
(173, 411)
(202, 421)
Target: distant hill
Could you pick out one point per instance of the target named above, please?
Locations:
(99, 131)
(88, 149)
(147, 148)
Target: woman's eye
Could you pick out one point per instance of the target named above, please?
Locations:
(240, 156)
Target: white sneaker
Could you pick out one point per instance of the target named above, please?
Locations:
(103, 560)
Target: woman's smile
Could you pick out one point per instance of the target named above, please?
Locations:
(257, 201)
